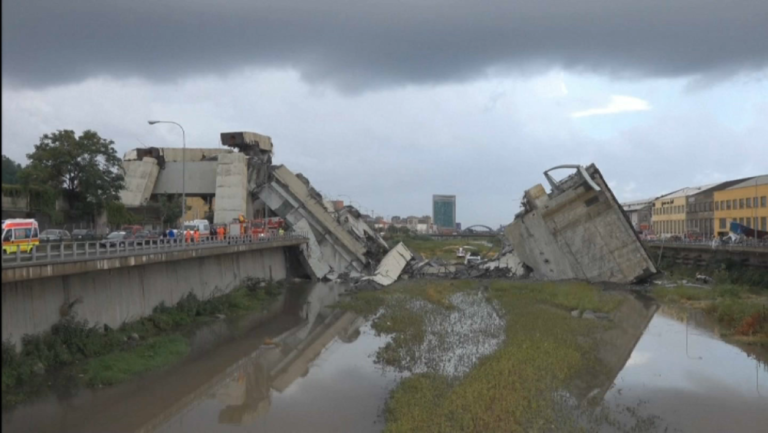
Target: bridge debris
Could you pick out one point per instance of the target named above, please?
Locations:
(578, 231)
(391, 266)
(340, 243)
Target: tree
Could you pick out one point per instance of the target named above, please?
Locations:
(86, 169)
(11, 171)
(118, 215)
(170, 209)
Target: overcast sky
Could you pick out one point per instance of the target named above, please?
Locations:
(391, 102)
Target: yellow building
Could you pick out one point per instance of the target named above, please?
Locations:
(668, 216)
(669, 211)
(745, 203)
(198, 207)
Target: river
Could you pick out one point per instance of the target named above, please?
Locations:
(321, 377)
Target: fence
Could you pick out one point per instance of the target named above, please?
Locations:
(78, 251)
(746, 243)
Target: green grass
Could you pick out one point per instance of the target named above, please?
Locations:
(510, 390)
(682, 293)
(742, 314)
(445, 248)
(723, 271)
(569, 296)
(120, 366)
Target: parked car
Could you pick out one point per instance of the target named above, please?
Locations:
(81, 235)
(117, 239)
(55, 235)
(146, 235)
(132, 230)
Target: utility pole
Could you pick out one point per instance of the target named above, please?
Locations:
(183, 165)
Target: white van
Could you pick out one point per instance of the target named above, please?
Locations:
(202, 225)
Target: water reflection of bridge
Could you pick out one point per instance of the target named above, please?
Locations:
(245, 387)
(228, 364)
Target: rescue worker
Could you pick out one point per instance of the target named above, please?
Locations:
(171, 236)
(197, 235)
(187, 236)
(281, 231)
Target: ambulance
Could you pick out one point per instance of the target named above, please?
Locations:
(20, 234)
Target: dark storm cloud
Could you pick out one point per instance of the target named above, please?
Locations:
(356, 44)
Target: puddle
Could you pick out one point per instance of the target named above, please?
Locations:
(695, 382)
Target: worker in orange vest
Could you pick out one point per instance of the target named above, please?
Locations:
(220, 232)
(197, 236)
(187, 235)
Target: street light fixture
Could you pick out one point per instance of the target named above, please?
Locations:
(183, 165)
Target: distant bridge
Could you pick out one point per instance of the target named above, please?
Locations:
(471, 229)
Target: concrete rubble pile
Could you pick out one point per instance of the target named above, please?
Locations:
(577, 231)
(503, 265)
(340, 245)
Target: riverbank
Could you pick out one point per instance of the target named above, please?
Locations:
(74, 353)
(522, 359)
(740, 312)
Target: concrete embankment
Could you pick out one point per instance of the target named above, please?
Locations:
(117, 294)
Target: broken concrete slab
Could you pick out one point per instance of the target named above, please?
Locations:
(140, 178)
(311, 254)
(507, 260)
(291, 199)
(578, 231)
(350, 218)
(391, 266)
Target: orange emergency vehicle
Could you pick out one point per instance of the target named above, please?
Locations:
(22, 234)
(263, 227)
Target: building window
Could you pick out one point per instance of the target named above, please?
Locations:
(763, 202)
(748, 222)
(717, 205)
(754, 202)
(741, 221)
(722, 223)
(749, 203)
(728, 204)
(741, 203)
(763, 225)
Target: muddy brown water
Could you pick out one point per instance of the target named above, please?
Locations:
(321, 377)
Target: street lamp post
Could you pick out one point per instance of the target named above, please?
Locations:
(183, 165)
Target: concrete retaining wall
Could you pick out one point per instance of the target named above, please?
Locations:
(114, 296)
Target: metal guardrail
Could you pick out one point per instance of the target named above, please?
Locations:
(79, 251)
(749, 243)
